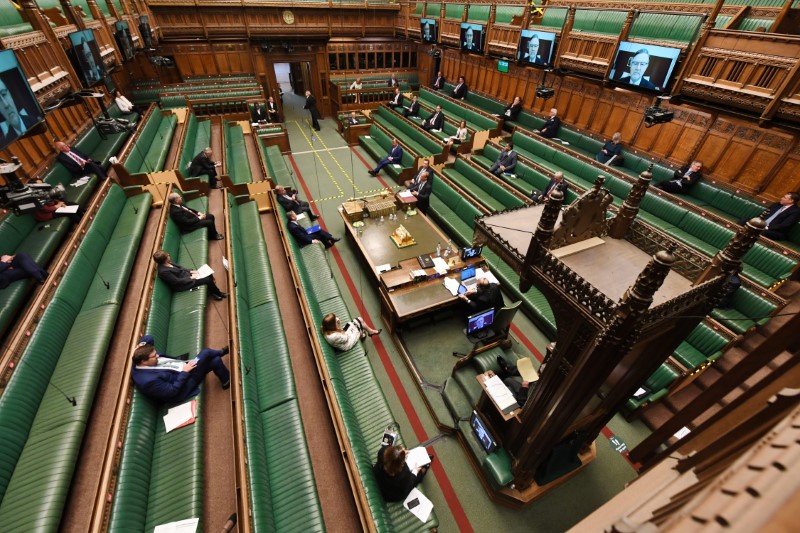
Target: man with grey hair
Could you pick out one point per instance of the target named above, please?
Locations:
(188, 220)
(203, 165)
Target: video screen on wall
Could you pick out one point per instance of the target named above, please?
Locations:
(19, 109)
(428, 30)
(86, 58)
(644, 66)
(144, 30)
(471, 37)
(536, 47)
(124, 41)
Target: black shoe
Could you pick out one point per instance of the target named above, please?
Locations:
(335, 239)
(219, 237)
(372, 173)
(226, 385)
(313, 216)
(226, 350)
(218, 296)
(503, 364)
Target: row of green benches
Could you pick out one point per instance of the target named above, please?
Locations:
(378, 144)
(237, 164)
(41, 239)
(153, 94)
(196, 138)
(45, 409)
(160, 476)
(274, 163)
(283, 493)
(762, 264)
(455, 110)
(181, 100)
(451, 123)
(151, 147)
(725, 203)
(413, 138)
(360, 402)
(406, 81)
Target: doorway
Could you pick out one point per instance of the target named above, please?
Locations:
(294, 77)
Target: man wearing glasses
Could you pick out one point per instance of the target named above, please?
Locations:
(638, 66)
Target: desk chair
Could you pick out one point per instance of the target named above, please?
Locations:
(503, 319)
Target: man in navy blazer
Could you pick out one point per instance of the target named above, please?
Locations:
(394, 157)
(78, 163)
(460, 90)
(304, 238)
(780, 217)
(423, 192)
(435, 121)
(556, 183)
(506, 161)
(172, 381)
(551, 125)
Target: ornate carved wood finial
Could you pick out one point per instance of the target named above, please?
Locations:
(630, 207)
(729, 260)
(540, 242)
(649, 280)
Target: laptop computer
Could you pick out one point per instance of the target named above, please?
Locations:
(468, 278)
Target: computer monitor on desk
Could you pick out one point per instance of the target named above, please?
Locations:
(479, 325)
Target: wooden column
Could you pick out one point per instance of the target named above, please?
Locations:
(630, 207)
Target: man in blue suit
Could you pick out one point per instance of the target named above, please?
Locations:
(172, 381)
(394, 157)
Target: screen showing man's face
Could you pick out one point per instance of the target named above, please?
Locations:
(639, 64)
(533, 48)
(8, 109)
(468, 37)
(427, 31)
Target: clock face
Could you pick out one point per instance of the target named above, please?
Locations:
(288, 17)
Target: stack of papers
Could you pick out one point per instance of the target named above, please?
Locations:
(81, 181)
(405, 195)
(181, 415)
(68, 209)
(440, 265)
(418, 504)
(182, 526)
(501, 395)
(417, 458)
(451, 285)
(204, 271)
(418, 274)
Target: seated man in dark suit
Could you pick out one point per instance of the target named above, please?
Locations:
(506, 161)
(203, 165)
(181, 279)
(482, 296)
(304, 238)
(435, 121)
(272, 111)
(423, 192)
(611, 152)
(683, 179)
(550, 128)
(172, 381)
(460, 90)
(413, 184)
(394, 157)
(78, 163)
(780, 217)
(557, 183)
(397, 99)
(413, 109)
(20, 266)
(510, 376)
(188, 220)
(258, 114)
(289, 202)
(353, 119)
(438, 82)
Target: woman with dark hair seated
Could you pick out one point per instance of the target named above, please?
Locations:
(394, 477)
(345, 337)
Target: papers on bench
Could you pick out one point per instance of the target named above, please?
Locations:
(68, 209)
(501, 395)
(417, 458)
(204, 271)
(396, 166)
(451, 285)
(179, 416)
(418, 504)
(181, 526)
(80, 181)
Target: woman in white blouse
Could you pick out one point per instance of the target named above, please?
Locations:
(345, 337)
(357, 85)
(460, 136)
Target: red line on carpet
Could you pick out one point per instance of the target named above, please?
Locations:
(416, 424)
(369, 167)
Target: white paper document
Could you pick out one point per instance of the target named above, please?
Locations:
(396, 166)
(417, 458)
(68, 209)
(418, 504)
(178, 416)
(405, 194)
(383, 268)
(182, 526)
(204, 271)
(225, 262)
(301, 216)
(501, 394)
(80, 181)
(439, 264)
(451, 285)
(481, 273)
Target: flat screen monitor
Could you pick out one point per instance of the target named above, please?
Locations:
(483, 435)
(144, 30)
(86, 57)
(480, 321)
(536, 47)
(644, 66)
(429, 30)
(471, 251)
(123, 36)
(19, 109)
(471, 37)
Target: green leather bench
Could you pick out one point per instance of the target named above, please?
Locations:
(275, 164)
(11, 22)
(236, 163)
(378, 144)
(481, 187)
(703, 345)
(678, 28)
(658, 385)
(283, 494)
(160, 476)
(594, 21)
(196, 139)
(152, 147)
(448, 129)
(453, 110)
(43, 431)
(40, 240)
(362, 404)
(748, 309)
(412, 137)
